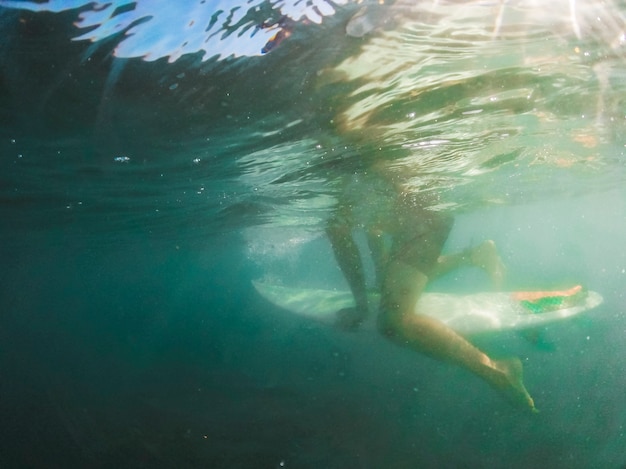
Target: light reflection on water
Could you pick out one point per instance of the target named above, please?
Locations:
(159, 28)
(484, 102)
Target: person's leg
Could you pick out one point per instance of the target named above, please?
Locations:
(414, 255)
(339, 231)
(484, 256)
(402, 288)
(378, 249)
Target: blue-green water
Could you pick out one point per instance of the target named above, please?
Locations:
(146, 177)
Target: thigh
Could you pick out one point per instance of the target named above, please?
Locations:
(402, 288)
(419, 239)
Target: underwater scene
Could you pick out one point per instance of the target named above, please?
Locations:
(313, 234)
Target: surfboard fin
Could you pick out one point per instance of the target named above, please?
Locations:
(537, 337)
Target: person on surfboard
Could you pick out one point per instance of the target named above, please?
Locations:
(404, 267)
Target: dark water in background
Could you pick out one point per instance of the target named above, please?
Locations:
(140, 197)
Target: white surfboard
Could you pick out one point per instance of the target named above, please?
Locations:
(472, 314)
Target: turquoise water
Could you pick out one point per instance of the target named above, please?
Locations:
(150, 169)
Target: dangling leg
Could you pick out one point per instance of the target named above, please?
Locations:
(412, 258)
(379, 251)
(402, 288)
(339, 231)
(484, 256)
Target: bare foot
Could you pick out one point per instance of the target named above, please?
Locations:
(509, 381)
(486, 257)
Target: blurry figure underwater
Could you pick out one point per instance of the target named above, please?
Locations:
(404, 268)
